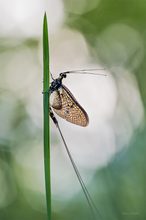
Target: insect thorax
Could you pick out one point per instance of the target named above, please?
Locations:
(55, 85)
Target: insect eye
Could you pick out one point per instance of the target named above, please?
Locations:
(63, 75)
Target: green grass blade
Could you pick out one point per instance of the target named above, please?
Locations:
(46, 116)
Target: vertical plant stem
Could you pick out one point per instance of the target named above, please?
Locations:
(46, 116)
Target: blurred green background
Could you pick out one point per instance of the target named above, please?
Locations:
(110, 153)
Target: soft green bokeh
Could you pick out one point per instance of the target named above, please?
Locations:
(114, 31)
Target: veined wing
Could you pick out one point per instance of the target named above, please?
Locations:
(55, 100)
(66, 106)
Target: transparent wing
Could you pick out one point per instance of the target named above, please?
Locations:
(69, 108)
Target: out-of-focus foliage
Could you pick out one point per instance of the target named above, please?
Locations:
(109, 33)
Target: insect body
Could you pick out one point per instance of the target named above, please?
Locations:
(65, 105)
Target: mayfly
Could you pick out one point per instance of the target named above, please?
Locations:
(67, 107)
